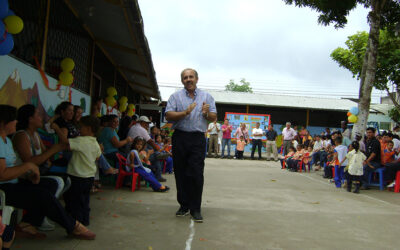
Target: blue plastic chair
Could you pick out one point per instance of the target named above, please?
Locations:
(381, 184)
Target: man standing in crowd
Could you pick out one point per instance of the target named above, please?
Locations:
(189, 109)
(373, 153)
(140, 129)
(288, 135)
(213, 130)
(257, 134)
(271, 144)
(226, 138)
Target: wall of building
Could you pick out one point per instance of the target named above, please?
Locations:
(20, 84)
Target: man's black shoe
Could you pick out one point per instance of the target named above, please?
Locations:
(182, 212)
(162, 180)
(196, 217)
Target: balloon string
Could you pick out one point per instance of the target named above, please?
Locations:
(4, 36)
(44, 77)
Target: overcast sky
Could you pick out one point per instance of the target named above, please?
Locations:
(278, 48)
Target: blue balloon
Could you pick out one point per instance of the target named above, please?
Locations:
(354, 110)
(4, 8)
(11, 13)
(7, 45)
(2, 30)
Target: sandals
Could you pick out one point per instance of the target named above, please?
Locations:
(81, 232)
(26, 230)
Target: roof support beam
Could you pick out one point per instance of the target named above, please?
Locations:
(134, 71)
(116, 46)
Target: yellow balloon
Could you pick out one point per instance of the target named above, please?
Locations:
(353, 118)
(131, 106)
(122, 107)
(130, 112)
(66, 78)
(67, 64)
(111, 91)
(123, 100)
(14, 24)
(110, 101)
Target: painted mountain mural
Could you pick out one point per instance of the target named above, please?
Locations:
(12, 94)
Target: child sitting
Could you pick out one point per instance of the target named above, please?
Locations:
(329, 162)
(355, 167)
(240, 144)
(340, 152)
(296, 159)
(388, 153)
(292, 151)
(82, 169)
(169, 162)
(134, 162)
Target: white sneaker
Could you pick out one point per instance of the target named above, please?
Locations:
(391, 184)
(46, 225)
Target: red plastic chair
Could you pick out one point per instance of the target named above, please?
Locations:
(397, 184)
(122, 174)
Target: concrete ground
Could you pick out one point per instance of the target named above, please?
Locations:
(246, 205)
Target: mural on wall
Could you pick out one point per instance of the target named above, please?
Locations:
(22, 84)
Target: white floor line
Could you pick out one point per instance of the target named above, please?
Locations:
(365, 195)
(191, 235)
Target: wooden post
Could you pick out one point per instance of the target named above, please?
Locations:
(46, 31)
(247, 109)
(308, 118)
(91, 87)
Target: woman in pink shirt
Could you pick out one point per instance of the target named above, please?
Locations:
(226, 137)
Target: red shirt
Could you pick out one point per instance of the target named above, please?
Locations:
(227, 133)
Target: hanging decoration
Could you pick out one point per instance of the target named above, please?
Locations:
(352, 115)
(10, 24)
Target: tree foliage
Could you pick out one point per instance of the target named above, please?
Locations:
(384, 14)
(388, 61)
(242, 87)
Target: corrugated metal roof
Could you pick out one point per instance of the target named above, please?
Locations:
(283, 101)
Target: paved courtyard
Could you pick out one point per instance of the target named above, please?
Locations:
(246, 205)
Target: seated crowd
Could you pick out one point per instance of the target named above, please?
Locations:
(344, 161)
(34, 177)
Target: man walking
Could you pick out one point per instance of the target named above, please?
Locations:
(288, 135)
(271, 144)
(189, 109)
(257, 134)
(213, 130)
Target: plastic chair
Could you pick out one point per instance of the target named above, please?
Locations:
(380, 172)
(397, 183)
(122, 174)
(6, 211)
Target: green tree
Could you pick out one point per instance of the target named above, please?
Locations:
(383, 14)
(388, 60)
(242, 87)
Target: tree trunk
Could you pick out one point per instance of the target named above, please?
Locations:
(368, 68)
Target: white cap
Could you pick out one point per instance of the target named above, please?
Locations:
(144, 118)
